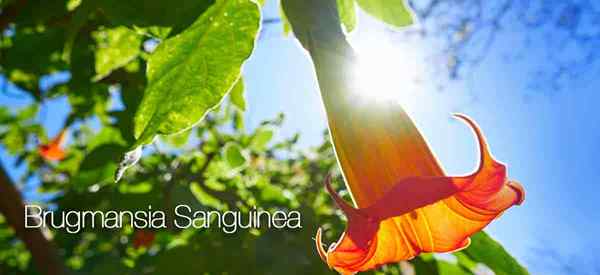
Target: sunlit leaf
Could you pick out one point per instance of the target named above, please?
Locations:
(233, 155)
(484, 249)
(135, 188)
(287, 28)
(115, 48)
(465, 260)
(393, 12)
(347, 13)
(190, 73)
(237, 95)
(448, 268)
(204, 198)
(180, 139)
(272, 192)
(262, 136)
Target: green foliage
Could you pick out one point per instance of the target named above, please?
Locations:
(261, 138)
(13, 255)
(122, 94)
(347, 12)
(393, 12)
(189, 74)
(115, 48)
(234, 156)
(484, 249)
(237, 95)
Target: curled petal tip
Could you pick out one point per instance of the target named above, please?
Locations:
(348, 210)
(486, 157)
(518, 188)
(468, 120)
(319, 244)
(461, 115)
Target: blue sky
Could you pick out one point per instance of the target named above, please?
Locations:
(548, 138)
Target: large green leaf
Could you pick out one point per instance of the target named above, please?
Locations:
(190, 73)
(115, 48)
(347, 13)
(484, 249)
(393, 12)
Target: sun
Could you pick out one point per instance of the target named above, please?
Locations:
(388, 72)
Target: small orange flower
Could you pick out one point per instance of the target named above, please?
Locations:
(422, 214)
(53, 151)
(143, 238)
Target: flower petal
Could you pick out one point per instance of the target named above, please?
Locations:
(423, 214)
(53, 151)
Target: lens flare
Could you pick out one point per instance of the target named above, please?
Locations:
(387, 72)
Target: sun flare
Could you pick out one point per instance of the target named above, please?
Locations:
(389, 72)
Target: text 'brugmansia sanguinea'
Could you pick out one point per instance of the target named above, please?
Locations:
(421, 213)
(53, 150)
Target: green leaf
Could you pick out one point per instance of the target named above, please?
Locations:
(393, 12)
(261, 138)
(204, 198)
(180, 139)
(465, 261)
(273, 193)
(484, 249)
(233, 156)
(425, 264)
(287, 28)
(100, 161)
(135, 188)
(237, 95)
(448, 268)
(347, 13)
(189, 74)
(115, 48)
(27, 113)
(108, 135)
(99, 165)
(5, 115)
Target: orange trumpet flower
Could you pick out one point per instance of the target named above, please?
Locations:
(53, 151)
(405, 204)
(421, 214)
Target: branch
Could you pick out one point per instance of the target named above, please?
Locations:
(45, 255)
